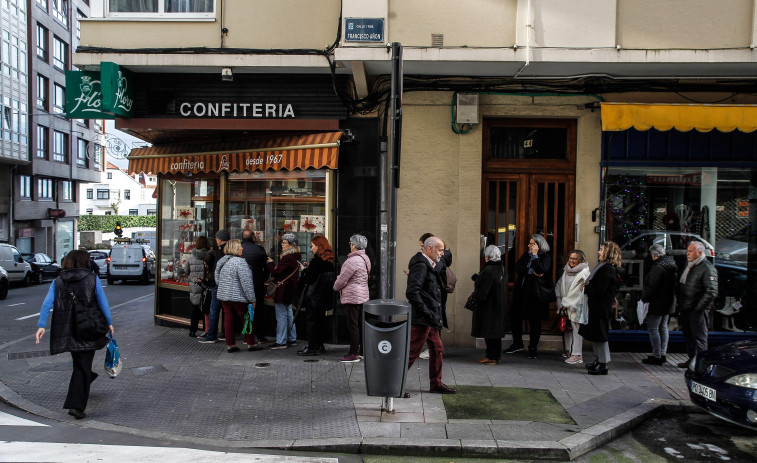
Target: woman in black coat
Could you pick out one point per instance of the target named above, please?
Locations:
(490, 294)
(659, 289)
(76, 285)
(534, 268)
(600, 289)
(319, 276)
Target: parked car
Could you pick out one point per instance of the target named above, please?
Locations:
(734, 247)
(100, 257)
(42, 267)
(723, 381)
(15, 266)
(3, 284)
(675, 244)
(131, 262)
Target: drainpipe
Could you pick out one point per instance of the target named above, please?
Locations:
(528, 39)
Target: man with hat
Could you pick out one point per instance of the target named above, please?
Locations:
(211, 334)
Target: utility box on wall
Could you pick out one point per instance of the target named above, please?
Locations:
(467, 108)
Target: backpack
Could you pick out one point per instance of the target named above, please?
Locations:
(451, 280)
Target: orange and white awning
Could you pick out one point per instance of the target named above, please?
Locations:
(286, 152)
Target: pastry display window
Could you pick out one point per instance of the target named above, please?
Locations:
(188, 211)
(274, 203)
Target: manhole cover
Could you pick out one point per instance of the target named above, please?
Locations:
(262, 365)
(311, 360)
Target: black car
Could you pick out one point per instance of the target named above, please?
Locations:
(42, 267)
(723, 381)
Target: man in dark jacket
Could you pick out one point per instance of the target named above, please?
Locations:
(697, 290)
(424, 292)
(211, 335)
(256, 258)
(659, 290)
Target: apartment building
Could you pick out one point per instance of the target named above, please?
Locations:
(118, 193)
(582, 121)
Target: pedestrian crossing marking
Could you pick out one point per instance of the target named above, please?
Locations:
(12, 420)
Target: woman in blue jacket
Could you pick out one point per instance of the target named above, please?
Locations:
(75, 277)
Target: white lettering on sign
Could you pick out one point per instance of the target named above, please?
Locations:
(385, 347)
(122, 99)
(90, 96)
(254, 110)
(186, 164)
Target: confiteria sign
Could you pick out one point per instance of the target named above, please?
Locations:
(246, 110)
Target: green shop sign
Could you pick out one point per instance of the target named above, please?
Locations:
(99, 95)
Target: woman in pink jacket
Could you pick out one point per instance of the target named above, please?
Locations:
(352, 284)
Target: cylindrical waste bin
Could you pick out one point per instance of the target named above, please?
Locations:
(386, 343)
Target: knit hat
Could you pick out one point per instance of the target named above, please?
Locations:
(291, 238)
(223, 235)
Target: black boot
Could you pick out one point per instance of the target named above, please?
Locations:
(599, 369)
(593, 364)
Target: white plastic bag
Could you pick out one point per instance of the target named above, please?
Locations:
(113, 362)
(582, 310)
(641, 310)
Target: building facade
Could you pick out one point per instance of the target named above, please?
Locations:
(583, 121)
(117, 193)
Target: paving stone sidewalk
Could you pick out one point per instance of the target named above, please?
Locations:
(175, 388)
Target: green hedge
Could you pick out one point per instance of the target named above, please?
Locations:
(106, 223)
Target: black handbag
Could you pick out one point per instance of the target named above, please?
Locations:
(545, 290)
(89, 323)
(471, 304)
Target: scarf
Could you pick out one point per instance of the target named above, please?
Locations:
(570, 289)
(291, 250)
(691, 265)
(573, 271)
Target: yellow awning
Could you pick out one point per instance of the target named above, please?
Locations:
(682, 117)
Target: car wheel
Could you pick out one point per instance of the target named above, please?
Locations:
(27, 279)
(145, 280)
(3, 289)
(38, 279)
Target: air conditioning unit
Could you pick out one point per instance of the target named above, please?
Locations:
(467, 108)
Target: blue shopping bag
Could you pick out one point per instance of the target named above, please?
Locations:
(113, 361)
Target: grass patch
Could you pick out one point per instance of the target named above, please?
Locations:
(505, 403)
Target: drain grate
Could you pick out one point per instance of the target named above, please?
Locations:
(262, 365)
(28, 355)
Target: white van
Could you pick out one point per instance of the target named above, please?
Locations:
(17, 268)
(131, 262)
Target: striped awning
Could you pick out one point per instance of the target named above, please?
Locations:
(682, 117)
(286, 152)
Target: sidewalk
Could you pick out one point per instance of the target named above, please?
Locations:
(174, 388)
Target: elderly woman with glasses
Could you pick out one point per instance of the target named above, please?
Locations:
(569, 291)
(490, 294)
(352, 284)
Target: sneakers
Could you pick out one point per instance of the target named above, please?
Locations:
(350, 358)
(532, 354)
(278, 346)
(574, 360)
(424, 354)
(292, 343)
(232, 349)
(513, 349)
(206, 340)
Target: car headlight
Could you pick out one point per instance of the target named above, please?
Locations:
(746, 380)
(692, 363)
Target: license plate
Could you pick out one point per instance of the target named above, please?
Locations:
(122, 267)
(704, 391)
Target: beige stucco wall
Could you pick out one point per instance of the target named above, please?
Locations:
(440, 184)
(685, 23)
(251, 24)
(480, 23)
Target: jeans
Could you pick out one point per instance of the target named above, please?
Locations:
(284, 324)
(657, 325)
(215, 312)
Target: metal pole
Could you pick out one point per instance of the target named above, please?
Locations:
(396, 138)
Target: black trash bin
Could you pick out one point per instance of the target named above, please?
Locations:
(386, 343)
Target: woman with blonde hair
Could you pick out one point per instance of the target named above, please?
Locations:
(600, 289)
(235, 291)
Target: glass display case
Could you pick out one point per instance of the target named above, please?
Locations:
(272, 204)
(188, 211)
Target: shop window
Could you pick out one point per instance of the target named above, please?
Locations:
(277, 203)
(188, 211)
(674, 206)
